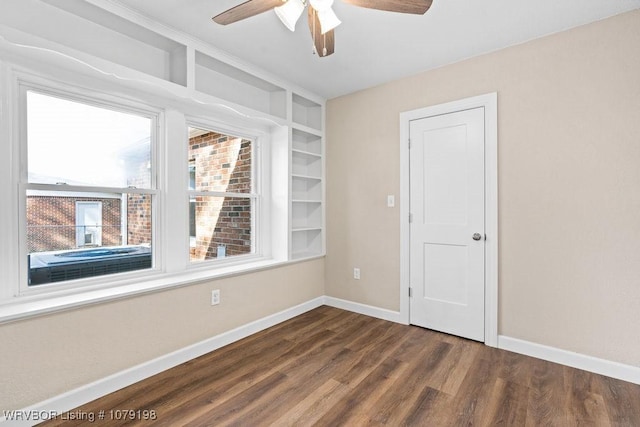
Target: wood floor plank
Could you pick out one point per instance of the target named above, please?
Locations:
(231, 384)
(626, 411)
(547, 395)
(355, 408)
(474, 394)
(584, 398)
(314, 406)
(227, 412)
(507, 405)
(393, 407)
(373, 356)
(449, 375)
(330, 367)
(429, 409)
(299, 385)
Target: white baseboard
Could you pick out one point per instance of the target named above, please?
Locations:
(575, 360)
(368, 310)
(79, 396)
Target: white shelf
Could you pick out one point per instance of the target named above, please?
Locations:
(306, 243)
(306, 153)
(306, 215)
(306, 165)
(307, 112)
(305, 229)
(147, 51)
(306, 142)
(309, 177)
(304, 188)
(307, 172)
(304, 255)
(227, 82)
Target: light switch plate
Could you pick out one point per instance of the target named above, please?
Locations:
(391, 201)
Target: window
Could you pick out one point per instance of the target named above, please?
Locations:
(222, 196)
(115, 196)
(89, 190)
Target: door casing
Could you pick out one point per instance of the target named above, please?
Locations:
(490, 104)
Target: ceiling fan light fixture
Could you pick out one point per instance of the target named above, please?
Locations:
(328, 20)
(321, 5)
(290, 12)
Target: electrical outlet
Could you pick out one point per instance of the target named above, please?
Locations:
(215, 297)
(356, 273)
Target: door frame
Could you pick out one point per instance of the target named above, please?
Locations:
(490, 104)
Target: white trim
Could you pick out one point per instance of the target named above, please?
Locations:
(367, 310)
(66, 299)
(81, 395)
(490, 104)
(84, 394)
(568, 358)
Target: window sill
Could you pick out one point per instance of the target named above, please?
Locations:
(23, 307)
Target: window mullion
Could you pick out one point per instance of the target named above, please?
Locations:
(173, 181)
(88, 189)
(193, 193)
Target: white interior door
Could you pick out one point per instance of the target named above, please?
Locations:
(447, 247)
(88, 224)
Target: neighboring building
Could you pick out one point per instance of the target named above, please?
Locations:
(59, 223)
(217, 163)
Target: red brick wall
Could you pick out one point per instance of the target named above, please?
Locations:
(51, 222)
(222, 163)
(139, 208)
(138, 219)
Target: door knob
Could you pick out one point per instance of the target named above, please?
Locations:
(477, 236)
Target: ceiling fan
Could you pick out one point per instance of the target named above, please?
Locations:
(322, 19)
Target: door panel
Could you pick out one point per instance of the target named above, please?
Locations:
(447, 206)
(444, 161)
(445, 273)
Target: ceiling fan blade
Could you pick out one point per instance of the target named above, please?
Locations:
(246, 10)
(416, 7)
(324, 43)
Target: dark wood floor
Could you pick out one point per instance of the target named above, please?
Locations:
(330, 367)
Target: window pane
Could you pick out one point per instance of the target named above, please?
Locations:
(219, 162)
(223, 227)
(81, 144)
(76, 235)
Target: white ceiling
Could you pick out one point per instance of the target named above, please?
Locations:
(373, 47)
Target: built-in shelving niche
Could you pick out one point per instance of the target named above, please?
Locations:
(306, 112)
(306, 215)
(306, 142)
(146, 51)
(224, 81)
(307, 198)
(306, 243)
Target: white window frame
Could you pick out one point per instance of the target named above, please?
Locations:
(192, 237)
(256, 190)
(24, 84)
(171, 264)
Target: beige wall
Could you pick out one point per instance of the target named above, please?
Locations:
(569, 185)
(46, 356)
(569, 167)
